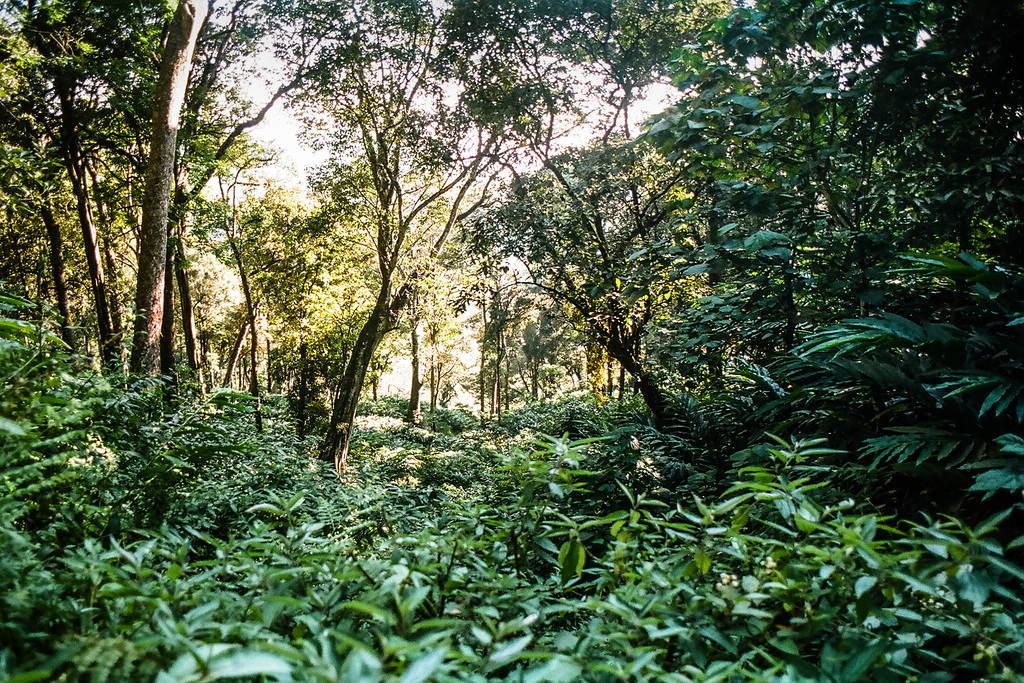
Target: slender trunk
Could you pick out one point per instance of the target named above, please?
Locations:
(270, 377)
(236, 352)
(535, 380)
(72, 152)
(622, 382)
(254, 377)
(303, 388)
(188, 316)
(113, 273)
(483, 360)
(383, 319)
(167, 322)
(343, 412)
(789, 307)
(60, 286)
(170, 94)
(250, 308)
(116, 308)
(434, 372)
(413, 414)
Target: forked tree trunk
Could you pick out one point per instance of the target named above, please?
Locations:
(170, 94)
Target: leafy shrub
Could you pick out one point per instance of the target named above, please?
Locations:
(577, 415)
(768, 584)
(451, 421)
(386, 406)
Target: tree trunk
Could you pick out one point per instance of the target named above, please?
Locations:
(413, 414)
(167, 322)
(303, 389)
(254, 375)
(115, 301)
(236, 352)
(652, 394)
(72, 153)
(434, 381)
(382, 320)
(188, 316)
(170, 94)
(483, 360)
(254, 339)
(60, 286)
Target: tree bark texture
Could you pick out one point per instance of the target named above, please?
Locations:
(170, 95)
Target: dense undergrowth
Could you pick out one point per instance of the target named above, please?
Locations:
(150, 540)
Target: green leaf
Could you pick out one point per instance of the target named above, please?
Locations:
(571, 558)
(424, 667)
(864, 584)
(507, 653)
(860, 662)
(559, 669)
(703, 560)
(746, 101)
(249, 662)
(11, 427)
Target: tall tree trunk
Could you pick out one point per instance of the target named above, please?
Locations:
(72, 153)
(254, 375)
(112, 271)
(303, 388)
(383, 319)
(483, 359)
(60, 286)
(188, 315)
(254, 338)
(236, 352)
(170, 94)
(434, 381)
(412, 415)
(167, 322)
(116, 308)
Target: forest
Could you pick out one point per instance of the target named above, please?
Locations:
(511, 340)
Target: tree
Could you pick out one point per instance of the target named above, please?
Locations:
(593, 230)
(82, 80)
(407, 155)
(863, 201)
(172, 81)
